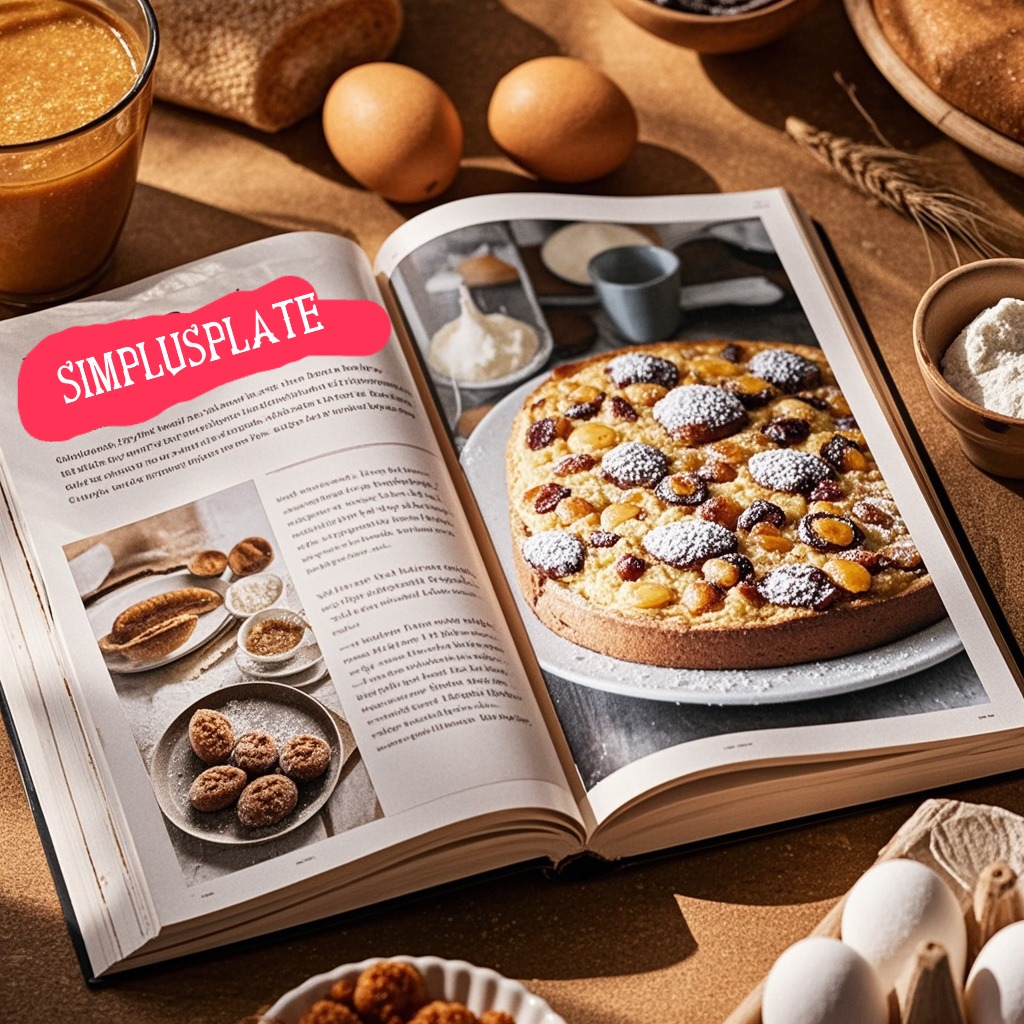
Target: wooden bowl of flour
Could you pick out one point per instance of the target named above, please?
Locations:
(993, 441)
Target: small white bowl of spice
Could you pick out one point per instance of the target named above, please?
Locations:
(969, 341)
(272, 635)
(251, 594)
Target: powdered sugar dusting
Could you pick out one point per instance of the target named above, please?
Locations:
(689, 543)
(786, 470)
(554, 553)
(798, 586)
(786, 370)
(639, 368)
(634, 464)
(694, 404)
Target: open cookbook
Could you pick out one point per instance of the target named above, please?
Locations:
(328, 633)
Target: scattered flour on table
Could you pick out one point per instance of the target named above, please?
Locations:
(985, 363)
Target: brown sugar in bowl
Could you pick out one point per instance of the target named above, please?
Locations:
(717, 33)
(992, 441)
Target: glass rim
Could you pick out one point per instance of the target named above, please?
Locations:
(123, 103)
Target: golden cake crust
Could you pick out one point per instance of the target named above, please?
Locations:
(842, 541)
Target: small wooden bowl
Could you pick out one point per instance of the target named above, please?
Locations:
(717, 33)
(992, 441)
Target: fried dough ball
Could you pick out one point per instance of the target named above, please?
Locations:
(266, 801)
(388, 991)
(255, 753)
(216, 788)
(497, 1017)
(305, 758)
(342, 992)
(210, 736)
(325, 1011)
(439, 1012)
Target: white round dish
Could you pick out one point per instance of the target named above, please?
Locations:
(103, 612)
(306, 656)
(266, 615)
(483, 459)
(479, 988)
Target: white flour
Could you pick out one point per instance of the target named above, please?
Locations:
(986, 362)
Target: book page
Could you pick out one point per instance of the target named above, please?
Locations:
(515, 274)
(286, 555)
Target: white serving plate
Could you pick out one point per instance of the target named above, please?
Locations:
(479, 988)
(483, 460)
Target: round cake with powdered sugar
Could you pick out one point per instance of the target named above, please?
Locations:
(708, 504)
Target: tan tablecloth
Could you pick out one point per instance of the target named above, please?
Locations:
(684, 937)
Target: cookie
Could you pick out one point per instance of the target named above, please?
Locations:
(266, 800)
(715, 507)
(255, 753)
(216, 788)
(305, 757)
(210, 736)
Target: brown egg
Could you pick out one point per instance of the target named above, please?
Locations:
(394, 130)
(562, 120)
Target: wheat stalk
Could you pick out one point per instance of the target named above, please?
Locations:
(900, 181)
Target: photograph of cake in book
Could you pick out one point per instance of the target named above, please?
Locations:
(222, 682)
(680, 493)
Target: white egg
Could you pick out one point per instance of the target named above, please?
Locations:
(895, 906)
(995, 986)
(823, 981)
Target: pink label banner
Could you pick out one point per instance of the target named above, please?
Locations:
(127, 372)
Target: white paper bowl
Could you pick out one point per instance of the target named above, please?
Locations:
(452, 980)
(270, 613)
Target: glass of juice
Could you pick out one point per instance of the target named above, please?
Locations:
(76, 88)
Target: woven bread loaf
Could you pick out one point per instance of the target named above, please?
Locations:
(267, 63)
(970, 52)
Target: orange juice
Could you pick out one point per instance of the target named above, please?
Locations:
(74, 77)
